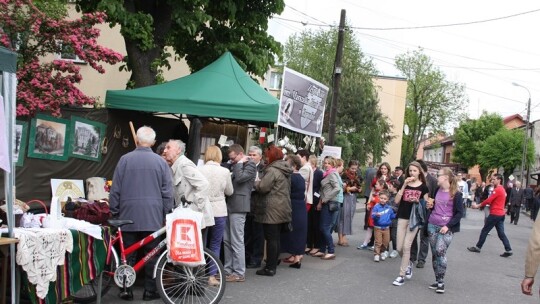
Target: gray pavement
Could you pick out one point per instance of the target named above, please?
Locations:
(354, 278)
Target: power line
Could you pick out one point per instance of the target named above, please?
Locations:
(467, 87)
(326, 23)
(393, 44)
(304, 23)
(444, 25)
(409, 27)
(494, 95)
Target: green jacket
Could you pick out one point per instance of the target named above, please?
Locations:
(273, 205)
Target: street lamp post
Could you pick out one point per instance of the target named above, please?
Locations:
(526, 139)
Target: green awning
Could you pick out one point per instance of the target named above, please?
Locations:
(221, 90)
(8, 60)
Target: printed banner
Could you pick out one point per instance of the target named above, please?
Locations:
(333, 151)
(302, 103)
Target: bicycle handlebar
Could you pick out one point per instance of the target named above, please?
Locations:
(184, 201)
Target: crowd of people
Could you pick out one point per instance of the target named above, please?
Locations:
(263, 208)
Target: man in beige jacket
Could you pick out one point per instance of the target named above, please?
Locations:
(532, 260)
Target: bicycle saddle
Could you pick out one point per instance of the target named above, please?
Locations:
(119, 223)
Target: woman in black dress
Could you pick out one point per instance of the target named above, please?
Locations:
(294, 242)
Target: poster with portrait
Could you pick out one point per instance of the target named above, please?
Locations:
(48, 138)
(86, 138)
(21, 139)
(302, 103)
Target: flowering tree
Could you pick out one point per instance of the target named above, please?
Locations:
(35, 29)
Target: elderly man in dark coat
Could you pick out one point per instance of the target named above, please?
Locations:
(142, 191)
(514, 202)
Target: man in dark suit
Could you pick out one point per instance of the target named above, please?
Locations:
(369, 176)
(398, 173)
(528, 194)
(253, 234)
(238, 205)
(514, 202)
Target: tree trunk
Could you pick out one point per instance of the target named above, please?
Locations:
(141, 61)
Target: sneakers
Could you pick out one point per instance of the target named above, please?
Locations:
(420, 264)
(384, 255)
(506, 254)
(235, 278)
(408, 272)
(474, 249)
(440, 288)
(398, 281)
(376, 258)
(394, 254)
(362, 247)
(371, 248)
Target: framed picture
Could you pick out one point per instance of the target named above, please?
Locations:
(21, 139)
(49, 138)
(86, 138)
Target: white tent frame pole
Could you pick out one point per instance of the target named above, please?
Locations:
(9, 87)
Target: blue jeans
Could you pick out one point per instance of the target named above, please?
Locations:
(215, 238)
(325, 224)
(498, 223)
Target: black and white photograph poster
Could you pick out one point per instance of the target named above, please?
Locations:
(48, 138)
(302, 103)
(21, 130)
(86, 139)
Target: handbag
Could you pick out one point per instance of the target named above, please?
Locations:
(333, 206)
(286, 227)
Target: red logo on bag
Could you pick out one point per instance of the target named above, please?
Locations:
(184, 233)
(185, 246)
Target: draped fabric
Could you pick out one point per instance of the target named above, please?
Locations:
(4, 156)
(81, 266)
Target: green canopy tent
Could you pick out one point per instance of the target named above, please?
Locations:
(221, 90)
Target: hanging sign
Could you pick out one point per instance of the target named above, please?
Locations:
(302, 103)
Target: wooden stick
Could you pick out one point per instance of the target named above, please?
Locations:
(133, 133)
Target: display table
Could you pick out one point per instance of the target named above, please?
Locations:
(4, 249)
(82, 265)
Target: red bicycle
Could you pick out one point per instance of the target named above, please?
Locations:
(175, 283)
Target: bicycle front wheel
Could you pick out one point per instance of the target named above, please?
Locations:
(183, 284)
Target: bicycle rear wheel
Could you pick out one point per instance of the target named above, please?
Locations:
(183, 284)
(88, 293)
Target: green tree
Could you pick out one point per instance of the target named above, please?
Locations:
(359, 118)
(505, 149)
(470, 137)
(197, 30)
(432, 101)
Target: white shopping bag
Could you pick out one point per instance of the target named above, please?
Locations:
(184, 237)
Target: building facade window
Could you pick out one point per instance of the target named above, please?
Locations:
(274, 83)
(67, 53)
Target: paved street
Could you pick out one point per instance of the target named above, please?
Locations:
(354, 278)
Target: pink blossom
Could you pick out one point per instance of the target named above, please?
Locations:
(49, 85)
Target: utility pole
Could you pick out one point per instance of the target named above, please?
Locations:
(337, 79)
(525, 171)
(524, 162)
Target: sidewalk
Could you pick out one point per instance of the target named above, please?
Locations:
(360, 204)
